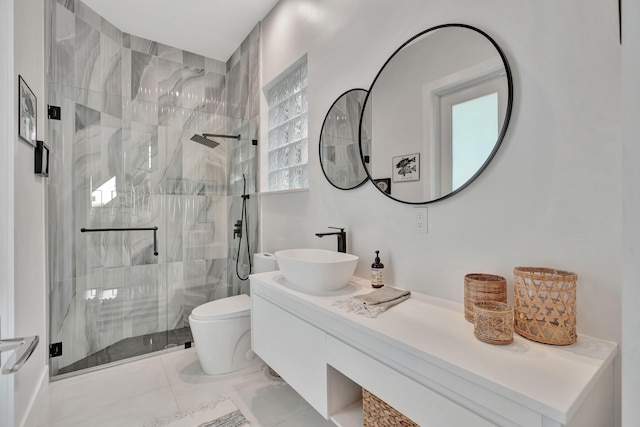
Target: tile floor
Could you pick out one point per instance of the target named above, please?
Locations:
(141, 392)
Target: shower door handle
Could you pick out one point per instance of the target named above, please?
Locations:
(23, 347)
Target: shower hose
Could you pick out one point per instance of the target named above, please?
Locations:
(244, 220)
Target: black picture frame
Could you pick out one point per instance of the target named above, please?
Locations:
(406, 168)
(27, 113)
(41, 161)
(383, 184)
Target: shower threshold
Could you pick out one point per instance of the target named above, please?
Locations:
(131, 348)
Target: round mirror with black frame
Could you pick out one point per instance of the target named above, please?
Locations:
(435, 114)
(339, 147)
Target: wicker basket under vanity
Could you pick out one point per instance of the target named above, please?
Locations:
(545, 305)
(377, 413)
(482, 287)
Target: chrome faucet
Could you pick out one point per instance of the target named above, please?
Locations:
(342, 238)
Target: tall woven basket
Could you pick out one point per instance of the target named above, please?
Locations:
(480, 287)
(545, 305)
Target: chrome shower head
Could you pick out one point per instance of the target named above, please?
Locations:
(204, 141)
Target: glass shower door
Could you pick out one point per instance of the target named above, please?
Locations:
(108, 288)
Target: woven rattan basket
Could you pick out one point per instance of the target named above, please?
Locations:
(482, 287)
(494, 322)
(377, 413)
(545, 305)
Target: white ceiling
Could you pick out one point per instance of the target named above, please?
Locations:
(213, 28)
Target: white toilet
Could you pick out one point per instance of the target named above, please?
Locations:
(221, 330)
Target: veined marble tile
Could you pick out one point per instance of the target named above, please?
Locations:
(238, 89)
(61, 297)
(144, 290)
(194, 285)
(170, 93)
(252, 109)
(61, 57)
(141, 111)
(216, 281)
(214, 65)
(87, 51)
(109, 76)
(95, 100)
(170, 53)
(174, 141)
(68, 4)
(144, 76)
(175, 296)
(141, 149)
(85, 145)
(71, 332)
(125, 56)
(215, 93)
(204, 228)
(213, 173)
(194, 88)
(87, 14)
(142, 45)
(174, 220)
(111, 31)
(104, 314)
(193, 60)
(87, 247)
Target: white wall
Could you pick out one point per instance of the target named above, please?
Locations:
(552, 195)
(7, 128)
(631, 187)
(29, 229)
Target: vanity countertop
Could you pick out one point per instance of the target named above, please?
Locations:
(426, 336)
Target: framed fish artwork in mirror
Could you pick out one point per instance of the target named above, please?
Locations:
(27, 113)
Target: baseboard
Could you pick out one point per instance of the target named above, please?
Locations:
(44, 376)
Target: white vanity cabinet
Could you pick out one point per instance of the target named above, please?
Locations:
(293, 348)
(421, 358)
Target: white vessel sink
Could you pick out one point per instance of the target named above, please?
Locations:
(316, 269)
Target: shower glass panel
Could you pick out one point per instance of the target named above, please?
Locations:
(121, 158)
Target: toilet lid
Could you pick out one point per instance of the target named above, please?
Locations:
(224, 308)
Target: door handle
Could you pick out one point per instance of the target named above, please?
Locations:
(23, 347)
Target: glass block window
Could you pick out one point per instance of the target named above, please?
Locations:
(288, 146)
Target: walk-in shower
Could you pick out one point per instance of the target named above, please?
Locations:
(125, 169)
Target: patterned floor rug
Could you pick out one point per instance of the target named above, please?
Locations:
(221, 413)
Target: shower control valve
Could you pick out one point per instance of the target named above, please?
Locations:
(237, 229)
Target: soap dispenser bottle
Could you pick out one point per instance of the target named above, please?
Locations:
(376, 272)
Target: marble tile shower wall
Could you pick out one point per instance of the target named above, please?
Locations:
(122, 157)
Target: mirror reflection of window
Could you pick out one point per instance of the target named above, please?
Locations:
(470, 121)
(474, 131)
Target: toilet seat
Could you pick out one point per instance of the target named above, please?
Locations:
(225, 308)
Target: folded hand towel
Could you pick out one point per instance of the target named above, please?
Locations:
(375, 302)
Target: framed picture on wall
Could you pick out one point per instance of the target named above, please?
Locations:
(406, 168)
(27, 113)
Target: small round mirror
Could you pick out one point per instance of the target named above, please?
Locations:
(436, 114)
(339, 152)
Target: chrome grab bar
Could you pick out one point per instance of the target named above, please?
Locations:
(23, 347)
